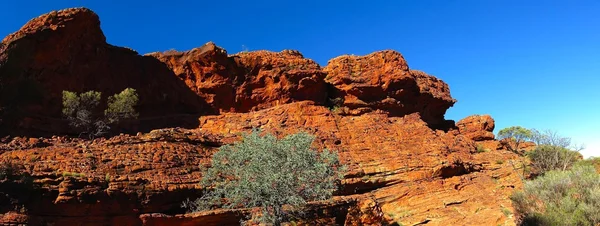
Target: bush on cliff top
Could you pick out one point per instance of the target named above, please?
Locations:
(270, 173)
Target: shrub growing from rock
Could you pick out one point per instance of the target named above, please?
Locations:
(570, 197)
(270, 173)
(82, 110)
(517, 136)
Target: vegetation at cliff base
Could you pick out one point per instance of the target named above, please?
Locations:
(82, 112)
(269, 173)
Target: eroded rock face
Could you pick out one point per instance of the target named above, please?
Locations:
(66, 50)
(383, 81)
(410, 173)
(401, 169)
(247, 81)
(477, 127)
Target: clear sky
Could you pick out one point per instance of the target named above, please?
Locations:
(533, 63)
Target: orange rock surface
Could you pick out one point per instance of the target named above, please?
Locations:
(383, 81)
(247, 81)
(407, 164)
(477, 127)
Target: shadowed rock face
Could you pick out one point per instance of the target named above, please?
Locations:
(401, 169)
(66, 50)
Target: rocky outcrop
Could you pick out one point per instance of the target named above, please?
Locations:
(381, 117)
(477, 127)
(66, 50)
(383, 81)
(410, 173)
(247, 81)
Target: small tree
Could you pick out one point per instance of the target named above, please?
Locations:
(570, 197)
(81, 110)
(83, 114)
(516, 135)
(554, 152)
(269, 173)
(120, 106)
(547, 157)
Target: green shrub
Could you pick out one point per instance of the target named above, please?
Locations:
(546, 157)
(553, 151)
(120, 106)
(262, 171)
(592, 161)
(82, 113)
(570, 197)
(80, 110)
(482, 149)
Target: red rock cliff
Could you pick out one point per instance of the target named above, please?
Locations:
(247, 81)
(377, 113)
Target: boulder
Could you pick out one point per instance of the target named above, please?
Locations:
(477, 127)
(383, 81)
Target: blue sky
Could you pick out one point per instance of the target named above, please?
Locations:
(532, 63)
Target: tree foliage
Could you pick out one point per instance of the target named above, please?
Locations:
(270, 173)
(517, 135)
(570, 197)
(547, 157)
(553, 151)
(82, 110)
(121, 106)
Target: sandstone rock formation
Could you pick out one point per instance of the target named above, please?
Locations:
(247, 81)
(66, 50)
(407, 164)
(383, 81)
(477, 127)
(410, 172)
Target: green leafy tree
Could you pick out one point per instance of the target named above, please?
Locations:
(82, 112)
(516, 135)
(270, 173)
(570, 197)
(121, 106)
